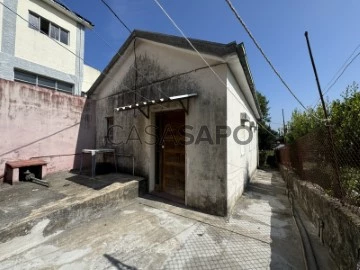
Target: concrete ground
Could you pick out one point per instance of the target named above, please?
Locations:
(69, 197)
(152, 234)
(19, 201)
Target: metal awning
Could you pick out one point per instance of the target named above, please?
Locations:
(146, 104)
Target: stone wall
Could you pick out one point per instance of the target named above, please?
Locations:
(340, 224)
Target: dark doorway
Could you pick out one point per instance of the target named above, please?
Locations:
(171, 153)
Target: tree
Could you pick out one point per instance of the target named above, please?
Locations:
(264, 107)
(302, 123)
(267, 138)
(345, 116)
(343, 113)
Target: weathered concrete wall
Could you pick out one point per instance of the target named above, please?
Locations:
(1, 22)
(205, 168)
(41, 123)
(90, 76)
(241, 158)
(341, 226)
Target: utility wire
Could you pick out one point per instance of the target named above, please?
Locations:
(113, 12)
(343, 65)
(35, 27)
(78, 56)
(263, 53)
(145, 77)
(194, 48)
(344, 68)
(190, 43)
(268, 131)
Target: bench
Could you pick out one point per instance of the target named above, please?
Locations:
(12, 169)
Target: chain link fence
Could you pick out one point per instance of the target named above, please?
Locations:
(330, 161)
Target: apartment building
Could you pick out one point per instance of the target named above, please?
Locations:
(42, 43)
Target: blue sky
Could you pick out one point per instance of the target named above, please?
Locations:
(278, 26)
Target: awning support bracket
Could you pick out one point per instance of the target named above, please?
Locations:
(147, 113)
(186, 109)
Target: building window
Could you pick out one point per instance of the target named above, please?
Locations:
(109, 129)
(48, 28)
(34, 21)
(25, 77)
(38, 80)
(54, 32)
(64, 36)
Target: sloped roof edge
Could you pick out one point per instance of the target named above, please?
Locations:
(203, 46)
(64, 9)
(240, 50)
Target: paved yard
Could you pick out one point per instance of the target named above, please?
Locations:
(20, 201)
(151, 234)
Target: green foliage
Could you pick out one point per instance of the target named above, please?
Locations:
(304, 122)
(344, 114)
(264, 107)
(266, 137)
(350, 179)
(267, 159)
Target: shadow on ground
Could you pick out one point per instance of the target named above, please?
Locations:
(98, 182)
(118, 264)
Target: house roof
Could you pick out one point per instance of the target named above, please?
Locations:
(64, 9)
(203, 46)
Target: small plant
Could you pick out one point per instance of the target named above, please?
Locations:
(350, 180)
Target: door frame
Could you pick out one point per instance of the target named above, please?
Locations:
(159, 184)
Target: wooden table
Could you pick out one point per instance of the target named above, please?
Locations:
(93, 153)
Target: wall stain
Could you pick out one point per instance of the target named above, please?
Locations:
(148, 71)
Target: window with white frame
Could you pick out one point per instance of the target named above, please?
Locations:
(48, 28)
(38, 80)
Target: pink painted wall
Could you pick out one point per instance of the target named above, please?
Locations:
(41, 123)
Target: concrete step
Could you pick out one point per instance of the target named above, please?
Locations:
(70, 200)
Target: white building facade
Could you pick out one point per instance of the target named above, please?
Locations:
(42, 43)
(156, 81)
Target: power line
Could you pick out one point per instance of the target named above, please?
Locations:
(190, 43)
(113, 12)
(194, 48)
(262, 52)
(268, 131)
(342, 73)
(343, 65)
(107, 75)
(346, 67)
(35, 27)
(145, 77)
(78, 56)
